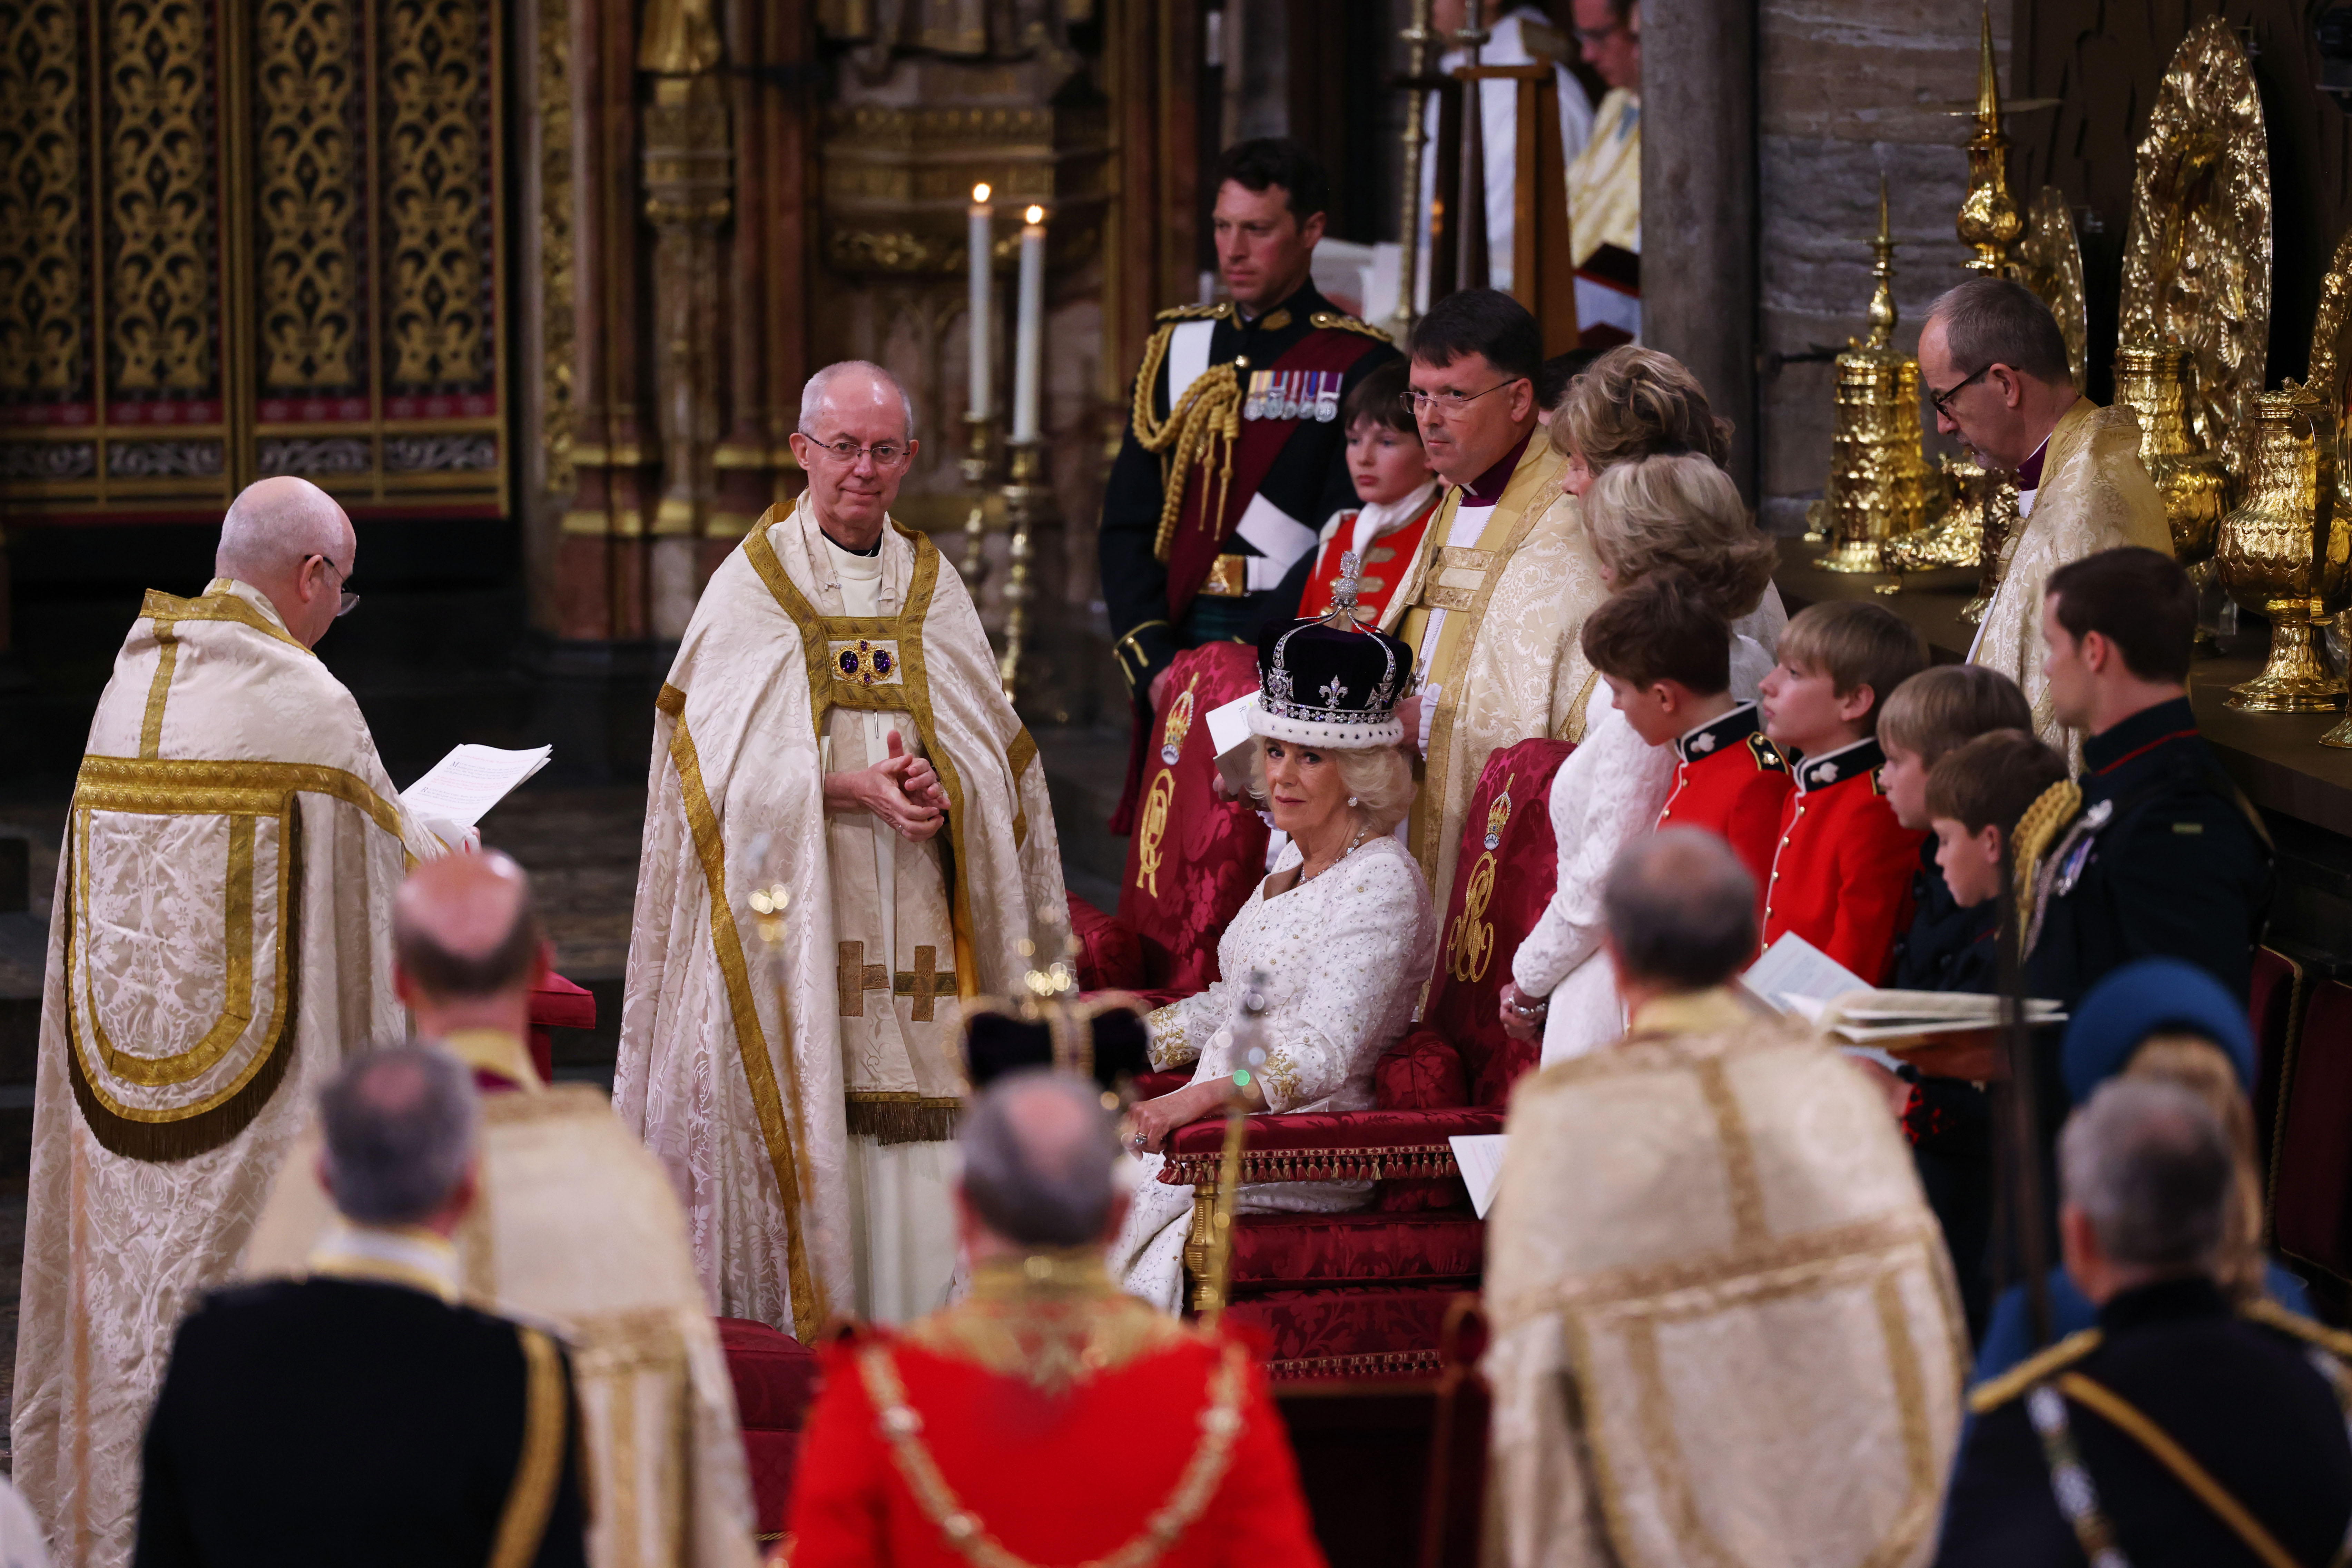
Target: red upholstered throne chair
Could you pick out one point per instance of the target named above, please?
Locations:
(1365, 1294)
(1194, 856)
(557, 1005)
(775, 1377)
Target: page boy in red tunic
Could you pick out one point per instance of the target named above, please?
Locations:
(1841, 874)
(1048, 1418)
(1666, 655)
(1396, 493)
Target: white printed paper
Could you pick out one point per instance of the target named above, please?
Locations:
(1480, 1157)
(1793, 971)
(463, 785)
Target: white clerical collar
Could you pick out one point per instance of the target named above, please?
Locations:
(406, 1256)
(250, 594)
(849, 563)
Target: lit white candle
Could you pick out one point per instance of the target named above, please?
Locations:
(979, 243)
(1030, 343)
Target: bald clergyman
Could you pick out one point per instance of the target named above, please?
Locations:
(223, 926)
(834, 724)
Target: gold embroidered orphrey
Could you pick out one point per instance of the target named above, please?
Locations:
(2197, 262)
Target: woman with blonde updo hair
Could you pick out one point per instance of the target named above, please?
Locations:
(1681, 509)
(1635, 404)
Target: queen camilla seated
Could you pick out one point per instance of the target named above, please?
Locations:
(1341, 930)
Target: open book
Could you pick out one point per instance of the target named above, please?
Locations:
(464, 784)
(1796, 977)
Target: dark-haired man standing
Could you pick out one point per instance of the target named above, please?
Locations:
(1996, 370)
(2165, 858)
(1201, 526)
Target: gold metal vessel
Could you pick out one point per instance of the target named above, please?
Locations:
(2050, 262)
(2195, 486)
(2284, 552)
(1989, 220)
(1879, 486)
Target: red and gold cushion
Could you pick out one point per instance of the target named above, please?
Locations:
(1194, 856)
(1364, 1247)
(1388, 1332)
(557, 1005)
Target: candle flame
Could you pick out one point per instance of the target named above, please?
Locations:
(1037, 215)
(980, 192)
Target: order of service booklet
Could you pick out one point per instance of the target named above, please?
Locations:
(463, 786)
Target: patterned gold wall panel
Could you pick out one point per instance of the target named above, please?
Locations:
(310, 191)
(44, 327)
(241, 237)
(163, 236)
(437, 196)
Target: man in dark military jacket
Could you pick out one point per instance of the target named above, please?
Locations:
(1234, 453)
(362, 1414)
(2185, 1428)
(2165, 858)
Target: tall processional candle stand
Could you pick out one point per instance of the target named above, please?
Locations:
(978, 428)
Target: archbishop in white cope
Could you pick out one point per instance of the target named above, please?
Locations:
(222, 930)
(834, 724)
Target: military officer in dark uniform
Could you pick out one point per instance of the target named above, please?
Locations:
(361, 1414)
(1234, 453)
(2165, 858)
(2183, 1429)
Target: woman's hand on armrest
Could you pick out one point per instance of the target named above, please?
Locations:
(1149, 1121)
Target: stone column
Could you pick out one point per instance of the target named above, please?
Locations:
(1698, 203)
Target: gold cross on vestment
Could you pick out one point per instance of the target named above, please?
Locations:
(856, 977)
(927, 984)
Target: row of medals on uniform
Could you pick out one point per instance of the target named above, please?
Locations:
(1293, 395)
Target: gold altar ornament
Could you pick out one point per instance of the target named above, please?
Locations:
(2197, 260)
(1880, 485)
(2050, 262)
(2284, 552)
(2195, 487)
(1988, 221)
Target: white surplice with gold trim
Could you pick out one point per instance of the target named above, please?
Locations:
(221, 938)
(576, 1226)
(2094, 495)
(1741, 1343)
(1504, 609)
(801, 1094)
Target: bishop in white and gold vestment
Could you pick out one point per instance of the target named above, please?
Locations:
(2090, 492)
(1492, 604)
(222, 936)
(576, 1226)
(1739, 1343)
(802, 1094)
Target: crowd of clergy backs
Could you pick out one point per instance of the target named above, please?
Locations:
(295, 1290)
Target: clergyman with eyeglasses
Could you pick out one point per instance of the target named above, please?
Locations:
(218, 936)
(1995, 370)
(834, 726)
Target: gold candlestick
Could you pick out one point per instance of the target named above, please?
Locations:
(978, 458)
(1417, 39)
(1027, 503)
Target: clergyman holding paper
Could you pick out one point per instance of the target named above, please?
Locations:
(833, 724)
(222, 933)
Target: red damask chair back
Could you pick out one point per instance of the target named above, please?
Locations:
(2312, 1189)
(1510, 863)
(1194, 856)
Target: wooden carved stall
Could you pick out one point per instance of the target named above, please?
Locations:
(240, 239)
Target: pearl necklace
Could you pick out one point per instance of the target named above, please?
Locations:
(1353, 845)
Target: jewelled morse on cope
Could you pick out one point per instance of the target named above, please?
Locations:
(1331, 682)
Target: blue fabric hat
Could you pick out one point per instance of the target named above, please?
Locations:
(2153, 996)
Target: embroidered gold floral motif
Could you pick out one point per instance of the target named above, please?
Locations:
(1171, 1047)
(1281, 1076)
